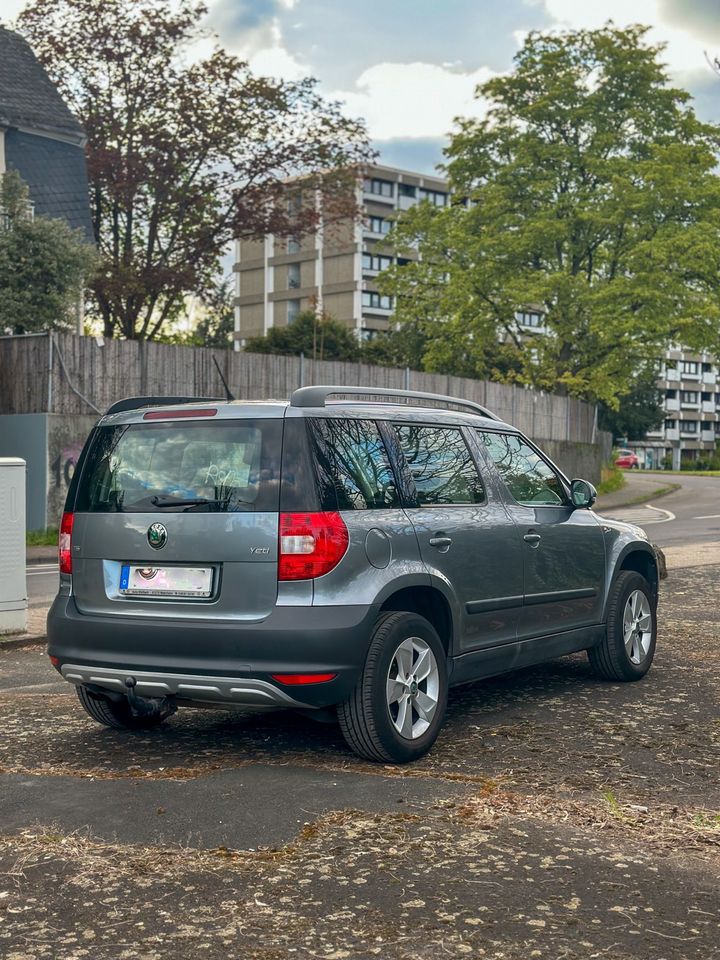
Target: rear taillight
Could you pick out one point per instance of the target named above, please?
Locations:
(65, 543)
(300, 679)
(311, 544)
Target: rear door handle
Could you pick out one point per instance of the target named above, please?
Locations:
(442, 543)
(532, 538)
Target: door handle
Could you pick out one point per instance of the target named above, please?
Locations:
(442, 543)
(532, 538)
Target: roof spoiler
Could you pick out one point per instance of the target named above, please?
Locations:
(134, 403)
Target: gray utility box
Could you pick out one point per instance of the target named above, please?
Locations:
(13, 583)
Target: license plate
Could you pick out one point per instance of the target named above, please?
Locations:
(138, 581)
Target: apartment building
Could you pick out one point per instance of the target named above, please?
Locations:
(690, 386)
(335, 269)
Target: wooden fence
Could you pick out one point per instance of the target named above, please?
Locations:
(67, 374)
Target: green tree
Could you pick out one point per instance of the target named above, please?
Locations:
(639, 410)
(44, 265)
(590, 190)
(184, 153)
(319, 338)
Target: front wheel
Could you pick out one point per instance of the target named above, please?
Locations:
(627, 650)
(397, 708)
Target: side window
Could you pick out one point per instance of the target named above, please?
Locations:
(440, 464)
(353, 467)
(528, 478)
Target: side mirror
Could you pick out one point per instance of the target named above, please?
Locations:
(582, 493)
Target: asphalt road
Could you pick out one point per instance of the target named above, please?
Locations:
(690, 515)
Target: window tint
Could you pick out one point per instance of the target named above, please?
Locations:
(528, 478)
(440, 464)
(353, 467)
(224, 466)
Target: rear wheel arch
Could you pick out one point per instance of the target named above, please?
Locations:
(431, 604)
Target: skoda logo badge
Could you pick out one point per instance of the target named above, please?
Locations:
(157, 536)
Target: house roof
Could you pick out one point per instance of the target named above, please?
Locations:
(28, 97)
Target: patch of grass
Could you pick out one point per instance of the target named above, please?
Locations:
(42, 538)
(613, 805)
(707, 821)
(686, 473)
(612, 479)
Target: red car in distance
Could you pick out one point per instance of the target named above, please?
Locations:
(627, 460)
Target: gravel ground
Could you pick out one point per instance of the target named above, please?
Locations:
(557, 817)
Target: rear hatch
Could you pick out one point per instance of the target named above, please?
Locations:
(176, 516)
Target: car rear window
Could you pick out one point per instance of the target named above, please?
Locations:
(336, 464)
(219, 467)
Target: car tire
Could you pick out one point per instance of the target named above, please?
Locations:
(397, 708)
(115, 714)
(628, 647)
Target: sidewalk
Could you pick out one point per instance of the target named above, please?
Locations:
(639, 488)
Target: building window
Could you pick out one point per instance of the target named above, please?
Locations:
(670, 394)
(435, 197)
(688, 426)
(688, 396)
(380, 225)
(293, 276)
(689, 366)
(406, 190)
(378, 301)
(670, 424)
(381, 188)
(293, 309)
(376, 262)
(293, 245)
(705, 397)
(529, 319)
(294, 203)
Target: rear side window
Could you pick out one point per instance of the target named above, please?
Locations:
(336, 464)
(530, 480)
(224, 466)
(440, 464)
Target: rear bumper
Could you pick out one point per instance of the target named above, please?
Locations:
(221, 661)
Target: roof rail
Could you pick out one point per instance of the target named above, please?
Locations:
(316, 397)
(134, 403)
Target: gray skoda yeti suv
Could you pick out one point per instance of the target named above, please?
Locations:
(351, 556)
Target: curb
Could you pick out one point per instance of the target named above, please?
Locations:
(644, 497)
(26, 640)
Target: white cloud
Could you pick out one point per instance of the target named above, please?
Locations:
(685, 53)
(412, 100)
(272, 59)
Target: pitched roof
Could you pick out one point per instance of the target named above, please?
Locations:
(28, 97)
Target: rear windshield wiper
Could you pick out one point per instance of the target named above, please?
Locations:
(161, 502)
(179, 501)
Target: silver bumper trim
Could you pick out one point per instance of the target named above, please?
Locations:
(231, 690)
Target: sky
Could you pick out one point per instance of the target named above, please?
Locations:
(409, 67)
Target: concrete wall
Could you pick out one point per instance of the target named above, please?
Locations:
(583, 460)
(25, 435)
(50, 444)
(66, 438)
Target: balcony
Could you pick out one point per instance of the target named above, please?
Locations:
(708, 435)
(672, 374)
(673, 434)
(672, 403)
(709, 377)
(708, 406)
